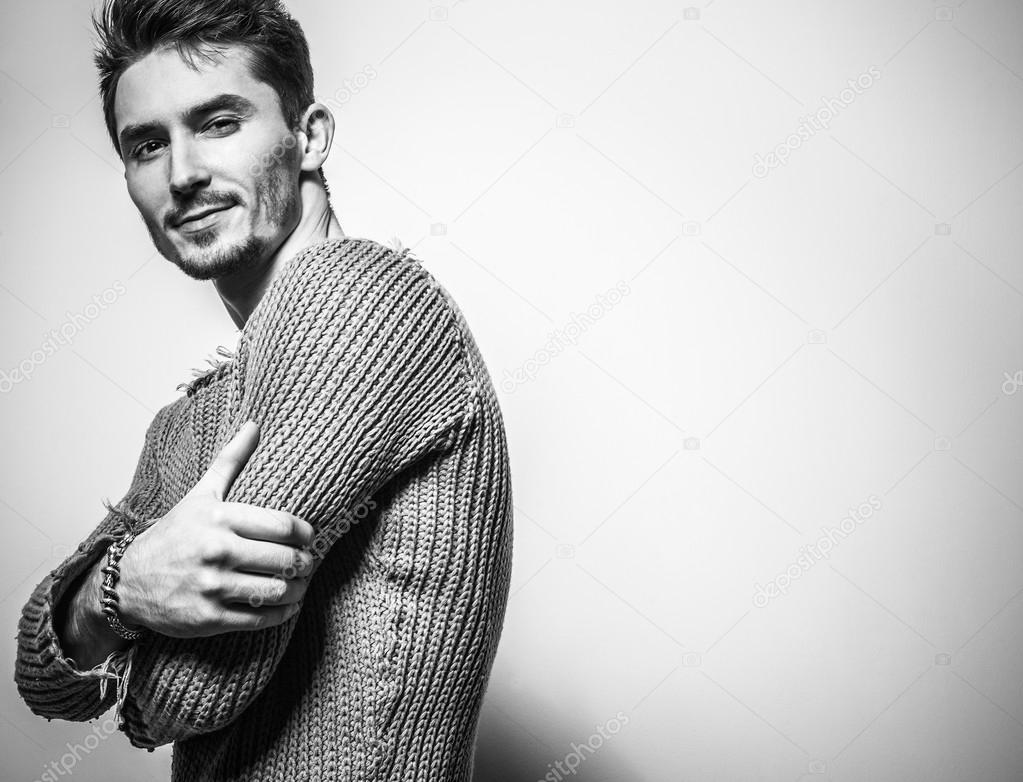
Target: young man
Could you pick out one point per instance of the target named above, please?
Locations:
(355, 434)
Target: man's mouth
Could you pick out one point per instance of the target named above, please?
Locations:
(199, 214)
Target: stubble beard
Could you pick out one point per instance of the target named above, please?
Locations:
(210, 260)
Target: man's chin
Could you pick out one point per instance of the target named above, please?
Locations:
(208, 257)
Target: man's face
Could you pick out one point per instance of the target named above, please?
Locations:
(209, 161)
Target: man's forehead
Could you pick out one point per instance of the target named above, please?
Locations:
(163, 84)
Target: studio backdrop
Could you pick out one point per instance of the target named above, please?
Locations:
(749, 283)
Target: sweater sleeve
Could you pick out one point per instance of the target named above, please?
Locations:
(353, 366)
(52, 684)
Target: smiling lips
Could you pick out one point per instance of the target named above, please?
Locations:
(201, 214)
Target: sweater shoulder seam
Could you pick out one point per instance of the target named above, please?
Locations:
(468, 381)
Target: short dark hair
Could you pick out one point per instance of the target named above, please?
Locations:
(128, 30)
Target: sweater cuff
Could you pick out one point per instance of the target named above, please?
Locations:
(52, 684)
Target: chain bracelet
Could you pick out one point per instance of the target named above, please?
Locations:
(109, 600)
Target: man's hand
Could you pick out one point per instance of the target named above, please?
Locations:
(211, 567)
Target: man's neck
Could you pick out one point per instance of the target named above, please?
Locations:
(241, 292)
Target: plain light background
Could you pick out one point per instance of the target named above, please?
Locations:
(798, 339)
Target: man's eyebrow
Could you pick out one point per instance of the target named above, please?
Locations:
(221, 102)
(224, 101)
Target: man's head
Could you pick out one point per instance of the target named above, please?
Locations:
(209, 104)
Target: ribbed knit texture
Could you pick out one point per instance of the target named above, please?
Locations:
(380, 426)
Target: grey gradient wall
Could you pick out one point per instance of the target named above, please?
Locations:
(748, 278)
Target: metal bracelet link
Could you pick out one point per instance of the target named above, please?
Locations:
(110, 601)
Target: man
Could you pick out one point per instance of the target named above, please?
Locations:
(354, 435)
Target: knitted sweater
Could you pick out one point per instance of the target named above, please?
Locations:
(379, 425)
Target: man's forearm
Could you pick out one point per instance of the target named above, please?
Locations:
(81, 625)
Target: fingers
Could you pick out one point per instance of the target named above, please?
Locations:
(242, 590)
(258, 523)
(246, 617)
(229, 462)
(271, 559)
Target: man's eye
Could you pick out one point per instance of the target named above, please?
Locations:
(145, 150)
(223, 124)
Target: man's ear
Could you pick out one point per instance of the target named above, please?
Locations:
(315, 135)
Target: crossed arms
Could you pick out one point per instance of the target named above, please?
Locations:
(354, 368)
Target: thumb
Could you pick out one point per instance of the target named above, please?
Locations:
(229, 462)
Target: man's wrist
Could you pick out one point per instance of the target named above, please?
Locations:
(126, 590)
(114, 612)
(80, 625)
(96, 625)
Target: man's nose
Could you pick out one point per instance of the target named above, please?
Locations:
(188, 169)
